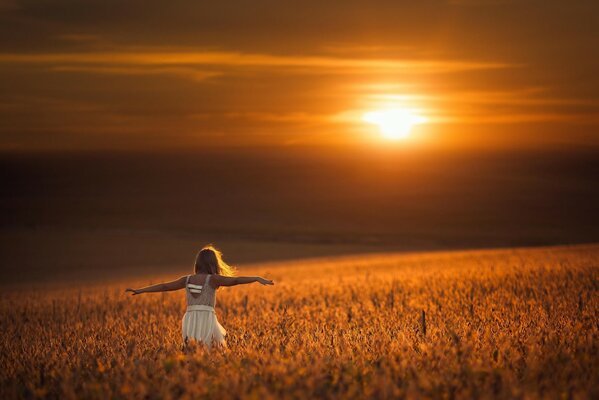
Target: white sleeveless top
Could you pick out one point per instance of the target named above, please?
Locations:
(203, 294)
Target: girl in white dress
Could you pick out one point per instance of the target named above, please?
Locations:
(211, 272)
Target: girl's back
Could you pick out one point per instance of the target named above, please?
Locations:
(199, 291)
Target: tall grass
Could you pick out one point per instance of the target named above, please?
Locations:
(486, 324)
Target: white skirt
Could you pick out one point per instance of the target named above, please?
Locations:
(200, 323)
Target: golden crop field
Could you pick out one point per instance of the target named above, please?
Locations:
(518, 323)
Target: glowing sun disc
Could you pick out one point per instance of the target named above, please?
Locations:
(394, 123)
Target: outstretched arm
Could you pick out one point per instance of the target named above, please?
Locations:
(161, 287)
(220, 280)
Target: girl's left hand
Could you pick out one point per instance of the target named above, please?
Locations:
(133, 291)
(265, 281)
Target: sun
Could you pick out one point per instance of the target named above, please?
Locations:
(395, 123)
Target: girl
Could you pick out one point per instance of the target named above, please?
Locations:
(211, 272)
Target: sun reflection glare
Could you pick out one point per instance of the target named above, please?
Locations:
(394, 123)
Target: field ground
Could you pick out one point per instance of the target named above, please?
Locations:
(511, 323)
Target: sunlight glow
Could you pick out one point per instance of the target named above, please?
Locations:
(394, 123)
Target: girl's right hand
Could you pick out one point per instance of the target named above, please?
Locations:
(265, 281)
(133, 291)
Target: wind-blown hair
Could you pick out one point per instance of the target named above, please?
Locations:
(210, 261)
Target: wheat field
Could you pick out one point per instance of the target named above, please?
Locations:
(513, 323)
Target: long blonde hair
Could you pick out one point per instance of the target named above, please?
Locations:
(210, 261)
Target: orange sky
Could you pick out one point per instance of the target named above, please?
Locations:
(119, 75)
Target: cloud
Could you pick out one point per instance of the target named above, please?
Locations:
(263, 116)
(519, 118)
(533, 96)
(248, 60)
(192, 73)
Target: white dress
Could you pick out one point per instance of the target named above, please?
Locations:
(199, 322)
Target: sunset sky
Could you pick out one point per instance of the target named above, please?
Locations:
(126, 75)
